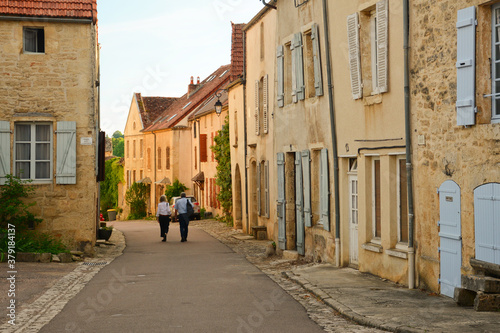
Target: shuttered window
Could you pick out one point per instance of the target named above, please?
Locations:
(281, 207)
(159, 159)
(266, 175)
(377, 213)
(203, 148)
(306, 179)
(280, 76)
(318, 77)
(257, 93)
(354, 55)
(167, 166)
(66, 153)
(265, 103)
(4, 151)
(324, 190)
(298, 80)
(381, 45)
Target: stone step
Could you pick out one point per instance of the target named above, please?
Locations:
(486, 268)
(487, 302)
(481, 283)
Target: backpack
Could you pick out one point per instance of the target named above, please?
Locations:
(189, 207)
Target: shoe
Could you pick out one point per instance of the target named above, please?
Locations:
(164, 239)
(183, 240)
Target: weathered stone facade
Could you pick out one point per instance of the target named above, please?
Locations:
(57, 85)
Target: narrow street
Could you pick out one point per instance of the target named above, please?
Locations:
(198, 286)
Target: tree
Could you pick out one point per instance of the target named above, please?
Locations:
(118, 147)
(117, 134)
(109, 187)
(222, 154)
(175, 189)
(136, 197)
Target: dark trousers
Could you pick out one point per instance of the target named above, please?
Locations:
(184, 224)
(164, 223)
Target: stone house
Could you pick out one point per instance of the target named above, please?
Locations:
(158, 138)
(456, 121)
(49, 128)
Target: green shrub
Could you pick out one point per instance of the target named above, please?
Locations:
(136, 198)
(175, 189)
(33, 241)
(109, 187)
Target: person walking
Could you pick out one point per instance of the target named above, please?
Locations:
(181, 208)
(163, 216)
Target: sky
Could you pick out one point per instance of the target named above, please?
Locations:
(153, 47)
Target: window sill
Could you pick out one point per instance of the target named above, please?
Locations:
(377, 248)
(397, 253)
(372, 100)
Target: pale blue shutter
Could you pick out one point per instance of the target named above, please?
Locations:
(354, 55)
(382, 39)
(299, 212)
(267, 188)
(466, 66)
(293, 50)
(487, 222)
(281, 79)
(306, 178)
(324, 191)
(265, 103)
(281, 201)
(66, 152)
(259, 206)
(301, 87)
(257, 107)
(4, 151)
(318, 77)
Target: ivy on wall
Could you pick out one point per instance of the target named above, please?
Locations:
(222, 154)
(109, 187)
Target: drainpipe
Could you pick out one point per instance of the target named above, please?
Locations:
(334, 135)
(245, 124)
(409, 165)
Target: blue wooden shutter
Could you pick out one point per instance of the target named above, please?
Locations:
(66, 152)
(487, 222)
(266, 175)
(301, 86)
(259, 206)
(466, 66)
(382, 40)
(281, 79)
(257, 107)
(293, 50)
(324, 191)
(265, 103)
(306, 178)
(299, 203)
(318, 77)
(354, 55)
(281, 201)
(4, 151)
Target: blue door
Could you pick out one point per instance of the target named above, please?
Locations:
(487, 222)
(450, 235)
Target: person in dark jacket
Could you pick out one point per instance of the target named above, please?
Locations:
(163, 216)
(181, 209)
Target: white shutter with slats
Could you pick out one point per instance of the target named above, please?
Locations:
(4, 151)
(318, 77)
(306, 179)
(257, 108)
(267, 188)
(466, 66)
(280, 52)
(293, 49)
(354, 55)
(382, 45)
(324, 190)
(281, 203)
(265, 103)
(259, 192)
(299, 203)
(66, 152)
(299, 57)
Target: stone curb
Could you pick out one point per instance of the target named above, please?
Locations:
(344, 310)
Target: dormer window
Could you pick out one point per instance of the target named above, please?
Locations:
(34, 40)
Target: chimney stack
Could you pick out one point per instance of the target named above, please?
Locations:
(198, 81)
(193, 87)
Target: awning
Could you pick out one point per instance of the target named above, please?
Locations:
(200, 177)
(164, 181)
(145, 180)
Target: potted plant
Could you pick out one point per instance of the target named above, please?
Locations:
(104, 233)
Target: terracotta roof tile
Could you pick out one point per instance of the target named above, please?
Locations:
(237, 54)
(186, 104)
(50, 8)
(151, 108)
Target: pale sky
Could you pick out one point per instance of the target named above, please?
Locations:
(155, 46)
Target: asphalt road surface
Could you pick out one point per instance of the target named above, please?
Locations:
(197, 286)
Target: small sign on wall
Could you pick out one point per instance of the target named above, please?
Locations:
(86, 141)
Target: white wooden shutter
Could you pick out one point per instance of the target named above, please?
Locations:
(259, 206)
(265, 102)
(466, 66)
(318, 77)
(293, 49)
(281, 201)
(280, 52)
(299, 203)
(382, 40)
(301, 86)
(354, 55)
(66, 152)
(4, 151)
(257, 108)
(266, 174)
(324, 191)
(306, 179)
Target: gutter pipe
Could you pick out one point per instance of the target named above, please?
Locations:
(245, 125)
(334, 135)
(409, 165)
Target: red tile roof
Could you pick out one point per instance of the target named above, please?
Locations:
(151, 108)
(50, 8)
(237, 54)
(186, 104)
(208, 106)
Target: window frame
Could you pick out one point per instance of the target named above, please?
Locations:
(37, 29)
(377, 239)
(374, 52)
(401, 244)
(33, 142)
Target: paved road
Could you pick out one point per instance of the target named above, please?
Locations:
(198, 286)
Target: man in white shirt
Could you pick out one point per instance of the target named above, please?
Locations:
(181, 209)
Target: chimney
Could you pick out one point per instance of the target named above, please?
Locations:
(198, 81)
(193, 87)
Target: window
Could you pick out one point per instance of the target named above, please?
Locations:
(377, 217)
(298, 85)
(262, 43)
(235, 128)
(134, 179)
(203, 147)
(149, 158)
(159, 158)
(128, 149)
(168, 158)
(402, 202)
(34, 40)
(288, 74)
(374, 50)
(33, 151)
(133, 149)
(141, 149)
(309, 66)
(194, 129)
(195, 158)
(129, 178)
(212, 137)
(495, 114)
(142, 174)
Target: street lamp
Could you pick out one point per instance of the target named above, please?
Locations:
(218, 104)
